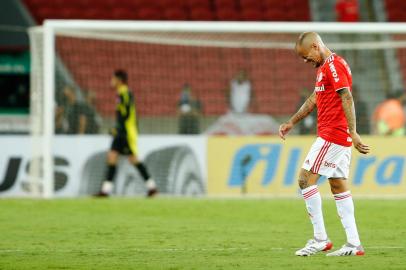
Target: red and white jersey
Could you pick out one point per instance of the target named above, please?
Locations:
(334, 74)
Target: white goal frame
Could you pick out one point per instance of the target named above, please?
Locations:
(52, 27)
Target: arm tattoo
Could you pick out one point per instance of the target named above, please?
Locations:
(348, 107)
(305, 110)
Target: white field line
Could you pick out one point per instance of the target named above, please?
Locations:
(167, 249)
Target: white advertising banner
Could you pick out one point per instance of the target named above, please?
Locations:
(177, 163)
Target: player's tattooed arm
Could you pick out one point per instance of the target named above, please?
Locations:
(348, 107)
(349, 112)
(305, 109)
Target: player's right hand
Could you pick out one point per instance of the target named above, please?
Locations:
(284, 129)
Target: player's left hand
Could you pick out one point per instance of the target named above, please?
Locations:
(362, 148)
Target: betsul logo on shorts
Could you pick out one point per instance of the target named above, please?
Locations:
(330, 164)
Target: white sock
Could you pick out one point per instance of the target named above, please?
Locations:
(107, 187)
(150, 184)
(312, 198)
(345, 209)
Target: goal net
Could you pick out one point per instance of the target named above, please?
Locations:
(191, 78)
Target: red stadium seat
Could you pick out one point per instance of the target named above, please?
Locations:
(275, 10)
(176, 14)
(107, 4)
(227, 14)
(97, 14)
(62, 4)
(166, 4)
(225, 4)
(149, 14)
(71, 13)
(201, 14)
(36, 3)
(138, 4)
(298, 15)
(274, 15)
(120, 13)
(396, 16)
(250, 4)
(391, 5)
(204, 4)
(46, 13)
(251, 15)
(272, 4)
(395, 10)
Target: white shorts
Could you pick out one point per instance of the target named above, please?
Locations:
(328, 159)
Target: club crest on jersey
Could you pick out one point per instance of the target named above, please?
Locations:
(334, 71)
(320, 77)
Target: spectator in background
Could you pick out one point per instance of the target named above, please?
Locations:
(94, 120)
(307, 126)
(189, 110)
(78, 115)
(361, 113)
(389, 117)
(60, 126)
(347, 10)
(240, 93)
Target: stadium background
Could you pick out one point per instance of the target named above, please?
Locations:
(229, 154)
(207, 154)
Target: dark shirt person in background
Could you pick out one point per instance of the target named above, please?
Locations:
(189, 110)
(79, 117)
(94, 120)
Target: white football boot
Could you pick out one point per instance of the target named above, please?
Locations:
(348, 250)
(314, 246)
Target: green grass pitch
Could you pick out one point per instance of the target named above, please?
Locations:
(164, 233)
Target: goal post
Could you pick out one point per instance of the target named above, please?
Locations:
(252, 35)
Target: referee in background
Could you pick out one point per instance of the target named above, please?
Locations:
(124, 137)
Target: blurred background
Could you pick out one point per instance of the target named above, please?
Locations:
(194, 86)
(200, 83)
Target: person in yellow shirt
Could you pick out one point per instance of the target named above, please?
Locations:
(124, 137)
(389, 117)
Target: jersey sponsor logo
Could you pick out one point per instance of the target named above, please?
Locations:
(334, 72)
(319, 88)
(330, 164)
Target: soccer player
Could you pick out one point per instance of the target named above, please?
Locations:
(330, 154)
(124, 136)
